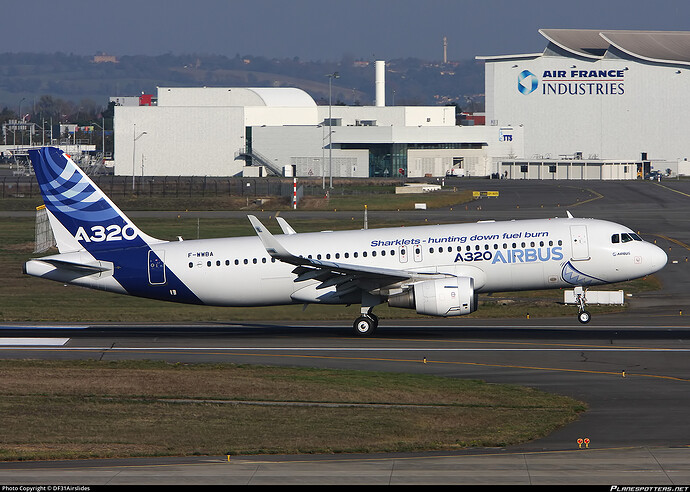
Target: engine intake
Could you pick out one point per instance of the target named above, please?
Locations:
(453, 296)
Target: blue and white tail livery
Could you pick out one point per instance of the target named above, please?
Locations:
(81, 215)
(436, 270)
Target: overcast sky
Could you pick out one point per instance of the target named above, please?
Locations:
(318, 30)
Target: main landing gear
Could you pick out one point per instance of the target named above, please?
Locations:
(583, 315)
(367, 322)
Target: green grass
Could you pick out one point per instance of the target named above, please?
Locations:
(88, 409)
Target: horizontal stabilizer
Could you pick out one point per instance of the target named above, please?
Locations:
(88, 269)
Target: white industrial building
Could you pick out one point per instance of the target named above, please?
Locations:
(227, 131)
(603, 96)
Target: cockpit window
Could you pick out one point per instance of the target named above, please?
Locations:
(625, 237)
(615, 238)
(635, 236)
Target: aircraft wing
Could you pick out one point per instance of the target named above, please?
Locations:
(335, 273)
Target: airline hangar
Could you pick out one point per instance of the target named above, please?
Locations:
(609, 97)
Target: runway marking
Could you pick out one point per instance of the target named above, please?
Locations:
(4, 342)
(676, 241)
(599, 195)
(675, 191)
(212, 350)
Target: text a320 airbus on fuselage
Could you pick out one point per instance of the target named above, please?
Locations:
(437, 270)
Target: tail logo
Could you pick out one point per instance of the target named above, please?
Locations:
(69, 191)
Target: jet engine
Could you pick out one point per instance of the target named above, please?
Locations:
(453, 296)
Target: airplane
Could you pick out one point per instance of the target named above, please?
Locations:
(438, 270)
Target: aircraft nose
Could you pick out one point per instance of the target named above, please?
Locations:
(657, 257)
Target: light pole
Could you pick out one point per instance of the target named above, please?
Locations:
(134, 148)
(102, 136)
(21, 127)
(331, 76)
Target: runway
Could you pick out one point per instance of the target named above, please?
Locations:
(632, 369)
(635, 379)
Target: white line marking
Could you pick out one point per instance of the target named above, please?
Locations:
(33, 341)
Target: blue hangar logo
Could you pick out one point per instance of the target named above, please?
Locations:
(527, 82)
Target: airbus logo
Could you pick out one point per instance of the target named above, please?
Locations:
(527, 82)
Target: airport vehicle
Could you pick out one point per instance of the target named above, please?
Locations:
(437, 270)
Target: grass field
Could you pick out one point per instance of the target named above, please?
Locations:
(88, 409)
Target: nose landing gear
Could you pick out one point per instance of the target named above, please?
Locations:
(583, 315)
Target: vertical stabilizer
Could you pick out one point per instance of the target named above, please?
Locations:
(81, 215)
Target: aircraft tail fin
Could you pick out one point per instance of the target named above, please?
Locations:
(81, 215)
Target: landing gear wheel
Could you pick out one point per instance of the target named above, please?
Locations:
(584, 317)
(365, 326)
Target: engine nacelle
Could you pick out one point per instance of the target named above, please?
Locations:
(453, 296)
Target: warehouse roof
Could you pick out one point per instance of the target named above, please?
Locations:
(273, 97)
(658, 46)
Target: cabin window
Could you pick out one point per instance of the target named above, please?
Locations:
(337, 255)
(373, 253)
(208, 263)
(191, 264)
(355, 254)
(263, 260)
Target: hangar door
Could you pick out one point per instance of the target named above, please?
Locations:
(578, 242)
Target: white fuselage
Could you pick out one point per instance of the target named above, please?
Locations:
(500, 256)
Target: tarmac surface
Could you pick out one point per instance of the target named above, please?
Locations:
(632, 369)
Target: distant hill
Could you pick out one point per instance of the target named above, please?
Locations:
(25, 77)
